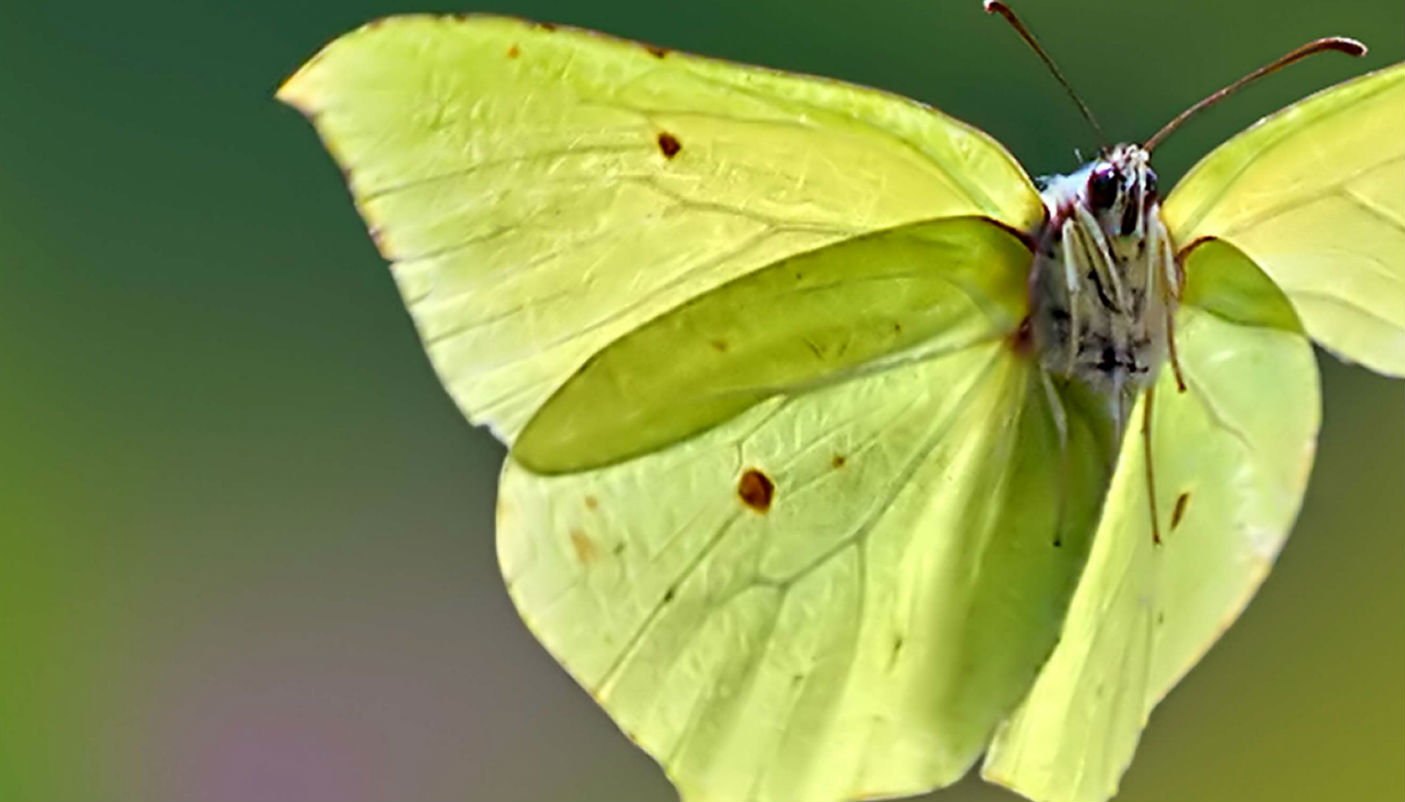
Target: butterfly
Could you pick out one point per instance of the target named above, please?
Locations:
(842, 452)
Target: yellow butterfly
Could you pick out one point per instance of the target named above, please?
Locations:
(841, 452)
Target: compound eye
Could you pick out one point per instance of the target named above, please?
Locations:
(1150, 182)
(1102, 186)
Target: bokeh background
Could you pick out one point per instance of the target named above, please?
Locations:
(246, 541)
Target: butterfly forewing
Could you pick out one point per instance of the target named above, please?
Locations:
(1315, 194)
(543, 191)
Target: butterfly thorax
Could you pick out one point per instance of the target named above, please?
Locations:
(1104, 280)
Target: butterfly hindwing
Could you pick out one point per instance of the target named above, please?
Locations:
(820, 317)
(833, 595)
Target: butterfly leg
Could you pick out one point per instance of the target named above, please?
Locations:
(1060, 418)
(1069, 235)
(1172, 295)
(1099, 253)
(1171, 349)
(1150, 465)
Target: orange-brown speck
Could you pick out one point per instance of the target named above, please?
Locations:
(756, 490)
(584, 546)
(838, 461)
(513, 52)
(656, 52)
(1179, 511)
(591, 502)
(669, 144)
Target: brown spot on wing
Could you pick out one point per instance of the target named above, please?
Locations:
(584, 546)
(546, 26)
(838, 460)
(756, 490)
(513, 52)
(720, 345)
(591, 502)
(897, 650)
(669, 144)
(1179, 510)
(656, 51)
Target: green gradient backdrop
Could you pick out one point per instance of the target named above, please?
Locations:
(247, 540)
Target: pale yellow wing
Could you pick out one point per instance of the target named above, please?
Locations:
(543, 191)
(834, 595)
(1232, 456)
(790, 590)
(1315, 194)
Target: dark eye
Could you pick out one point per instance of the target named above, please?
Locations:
(1150, 182)
(1102, 186)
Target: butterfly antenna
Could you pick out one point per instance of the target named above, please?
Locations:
(997, 7)
(1341, 44)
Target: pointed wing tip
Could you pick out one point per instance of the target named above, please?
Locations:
(299, 89)
(291, 92)
(303, 90)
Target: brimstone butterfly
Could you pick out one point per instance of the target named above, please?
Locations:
(829, 429)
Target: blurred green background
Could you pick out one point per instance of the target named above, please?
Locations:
(246, 541)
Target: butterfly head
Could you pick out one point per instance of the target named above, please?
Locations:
(1119, 189)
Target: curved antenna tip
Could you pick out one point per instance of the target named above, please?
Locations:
(1345, 44)
(1339, 44)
